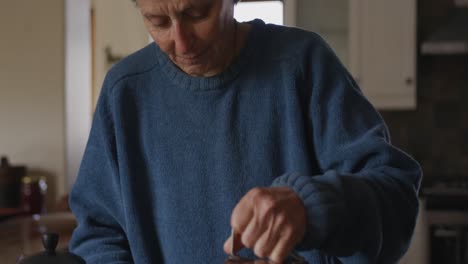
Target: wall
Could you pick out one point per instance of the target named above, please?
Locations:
(78, 92)
(31, 87)
(436, 133)
(32, 80)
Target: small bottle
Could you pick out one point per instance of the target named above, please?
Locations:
(33, 192)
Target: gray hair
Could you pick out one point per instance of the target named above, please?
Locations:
(235, 1)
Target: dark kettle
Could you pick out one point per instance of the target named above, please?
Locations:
(51, 255)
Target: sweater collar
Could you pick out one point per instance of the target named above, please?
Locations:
(218, 81)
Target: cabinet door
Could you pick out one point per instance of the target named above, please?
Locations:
(383, 51)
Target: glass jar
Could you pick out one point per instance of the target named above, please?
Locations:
(33, 192)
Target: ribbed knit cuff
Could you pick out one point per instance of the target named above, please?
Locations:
(323, 205)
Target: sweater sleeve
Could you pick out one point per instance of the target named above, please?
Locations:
(95, 198)
(362, 207)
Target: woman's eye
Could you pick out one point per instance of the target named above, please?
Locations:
(160, 22)
(160, 25)
(195, 15)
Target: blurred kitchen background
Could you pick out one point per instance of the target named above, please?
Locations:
(410, 58)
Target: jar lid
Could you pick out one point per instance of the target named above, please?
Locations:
(33, 179)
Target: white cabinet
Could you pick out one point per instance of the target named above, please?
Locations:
(382, 51)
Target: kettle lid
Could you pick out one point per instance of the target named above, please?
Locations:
(50, 255)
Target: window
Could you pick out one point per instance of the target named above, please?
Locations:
(268, 11)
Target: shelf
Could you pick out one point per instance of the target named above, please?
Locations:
(444, 48)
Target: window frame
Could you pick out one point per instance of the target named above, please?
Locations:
(289, 10)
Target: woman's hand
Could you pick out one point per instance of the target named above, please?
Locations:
(270, 221)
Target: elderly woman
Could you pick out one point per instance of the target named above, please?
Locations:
(254, 128)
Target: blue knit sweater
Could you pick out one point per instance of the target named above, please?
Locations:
(170, 155)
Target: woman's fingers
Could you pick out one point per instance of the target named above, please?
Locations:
(228, 244)
(270, 221)
(242, 213)
(265, 244)
(283, 247)
(252, 232)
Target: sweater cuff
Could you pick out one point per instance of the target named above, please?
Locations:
(323, 207)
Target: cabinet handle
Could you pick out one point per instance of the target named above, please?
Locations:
(409, 81)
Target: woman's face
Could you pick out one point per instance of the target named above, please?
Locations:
(197, 35)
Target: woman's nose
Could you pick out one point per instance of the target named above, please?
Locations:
(182, 39)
